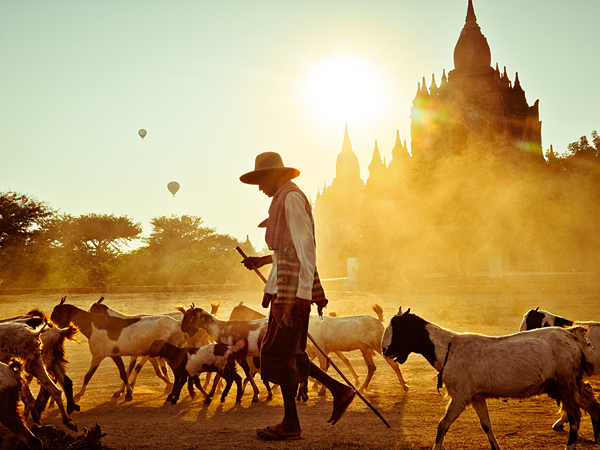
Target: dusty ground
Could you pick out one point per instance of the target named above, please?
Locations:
(148, 423)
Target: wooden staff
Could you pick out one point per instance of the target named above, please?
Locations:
(262, 277)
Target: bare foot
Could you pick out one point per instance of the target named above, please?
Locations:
(279, 432)
(341, 401)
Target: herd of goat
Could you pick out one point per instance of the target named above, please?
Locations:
(549, 355)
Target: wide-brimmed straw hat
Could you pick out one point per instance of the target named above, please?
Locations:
(267, 163)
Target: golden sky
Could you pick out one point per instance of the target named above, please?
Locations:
(215, 83)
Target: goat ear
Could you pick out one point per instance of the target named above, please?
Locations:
(536, 309)
(181, 309)
(407, 311)
(399, 311)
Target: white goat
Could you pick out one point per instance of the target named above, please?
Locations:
(229, 332)
(348, 333)
(11, 383)
(53, 355)
(115, 337)
(475, 367)
(20, 341)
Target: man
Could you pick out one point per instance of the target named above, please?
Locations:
(292, 287)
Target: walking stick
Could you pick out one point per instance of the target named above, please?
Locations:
(262, 277)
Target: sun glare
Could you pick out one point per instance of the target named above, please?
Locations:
(345, 89)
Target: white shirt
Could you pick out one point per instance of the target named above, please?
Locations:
(301, 230)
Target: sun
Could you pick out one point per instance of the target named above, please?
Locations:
(345, 88)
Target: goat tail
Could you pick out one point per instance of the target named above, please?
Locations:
(16, 365)
(379, 311)
(36, 312)
(70, 333)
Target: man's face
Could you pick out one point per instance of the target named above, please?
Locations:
(270, 183)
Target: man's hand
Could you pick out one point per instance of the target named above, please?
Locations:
(256, 262)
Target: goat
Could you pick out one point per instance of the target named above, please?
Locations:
(53, 355)
(191, 362)
(347, 333)
(475, 367)
(177, 358)
(18, 340)
(535, 318)
(200, 339)
(245, 313)
(11, 383)
(115, 337)
(32, 319)
(161, 372)
(229, 332)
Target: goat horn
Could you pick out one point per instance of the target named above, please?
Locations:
(62, 300)
(101, 300)
(536, 309)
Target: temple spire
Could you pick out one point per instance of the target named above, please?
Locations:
(471, 19)
(346, 145)
(346, 166)
(517, 84)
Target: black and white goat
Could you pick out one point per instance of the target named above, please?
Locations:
(115, 337)
(189, 363)
(535, 318)
(229, 333)
(475, 367)
(201, 338)
(177, 358)
(11, 383)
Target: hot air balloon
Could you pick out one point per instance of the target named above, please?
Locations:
(173, 187)
(142, 133)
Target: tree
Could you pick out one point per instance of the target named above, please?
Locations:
(94, 243)
(22, 221)
(21, 218)
(183, 251)
(177, 232)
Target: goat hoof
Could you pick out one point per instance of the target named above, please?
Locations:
(116, 395)
(557, 427)
(71, 426)
(255, 399)
(207, 401)
(72, 408)
(406, 387)
(270, 396)
(129, 397)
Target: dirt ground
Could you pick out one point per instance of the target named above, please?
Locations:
(148, 423)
